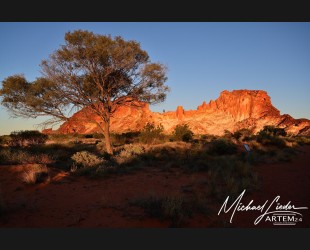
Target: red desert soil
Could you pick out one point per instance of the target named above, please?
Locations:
(68, 201)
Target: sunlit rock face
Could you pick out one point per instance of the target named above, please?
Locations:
(231, 111)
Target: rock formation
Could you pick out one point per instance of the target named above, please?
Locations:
(233, 110)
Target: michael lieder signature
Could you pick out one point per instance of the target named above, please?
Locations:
(274, 211)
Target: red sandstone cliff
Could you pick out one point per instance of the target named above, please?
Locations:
(231, 111)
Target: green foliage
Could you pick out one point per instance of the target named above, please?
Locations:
(182, 133)
(26, 138)
(273, 131)
(222, 147)
(86, 159)
(269, 136)
(243, 134)
(151, 134)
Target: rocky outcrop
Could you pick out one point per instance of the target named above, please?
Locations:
(231, 111)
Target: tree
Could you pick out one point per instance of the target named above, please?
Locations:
(91, 72)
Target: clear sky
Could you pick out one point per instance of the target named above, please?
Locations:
(203, 59)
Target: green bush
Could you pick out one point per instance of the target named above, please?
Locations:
(222, 147)
(151, 134)
(27, 137)
(86, 159)
(182, 133)
(266, 138)
(243, 134)
(274, 131)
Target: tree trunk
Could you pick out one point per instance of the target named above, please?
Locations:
(107, 138)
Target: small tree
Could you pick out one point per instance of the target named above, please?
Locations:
(94, 73)
(150, 133)
(182, 133)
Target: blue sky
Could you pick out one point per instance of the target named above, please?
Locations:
(203, 59)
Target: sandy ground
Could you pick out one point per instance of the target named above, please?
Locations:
(68, 201)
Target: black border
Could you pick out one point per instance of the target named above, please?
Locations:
(154, 238)
(154, 11)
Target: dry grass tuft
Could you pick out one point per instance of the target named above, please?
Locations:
(36, 174)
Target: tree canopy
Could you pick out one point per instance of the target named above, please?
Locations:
(95, 71)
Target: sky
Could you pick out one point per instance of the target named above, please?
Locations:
(203, 59)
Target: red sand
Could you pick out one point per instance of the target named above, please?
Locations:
(68, 201)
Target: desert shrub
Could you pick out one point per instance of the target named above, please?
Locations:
(229, 176)
(266, 138)
(204, 137)
(129, 152)
(86, 159)
(174, 209)
(222, 147)
(302, 140)
(243, 134)
(208, 137)
(132, 149)
(125, 138)
(182, 133)
(100, 146)
(151, 133)
(36, 174)
(98, 135)
(249, 138)
(19, 156)
(274, 131)
(171, 208)
(59, 138)
(103, 171)
(27, 137)
(227, 134)
(5, 140)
